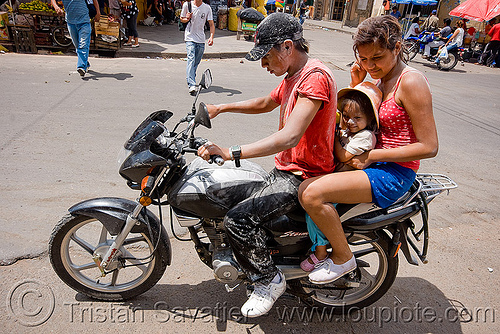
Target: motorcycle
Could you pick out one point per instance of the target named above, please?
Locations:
(114, 249)
(415, 45)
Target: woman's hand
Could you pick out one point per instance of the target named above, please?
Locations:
(209, 149)
(360, 161)
(358, 74)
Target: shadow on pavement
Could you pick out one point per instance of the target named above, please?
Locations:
(222, 90)
(412, 305)
(93, 75)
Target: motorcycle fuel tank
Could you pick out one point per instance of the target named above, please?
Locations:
(208, 190)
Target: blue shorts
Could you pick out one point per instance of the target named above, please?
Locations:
(389, 182)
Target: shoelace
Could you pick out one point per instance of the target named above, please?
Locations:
(324, 263)
(262, 290)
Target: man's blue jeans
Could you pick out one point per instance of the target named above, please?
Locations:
(80, 35)
(194, 54)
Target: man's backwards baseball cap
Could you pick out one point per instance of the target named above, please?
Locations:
(274, 29)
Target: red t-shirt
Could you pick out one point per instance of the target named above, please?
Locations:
(313, 155)
(495, 32)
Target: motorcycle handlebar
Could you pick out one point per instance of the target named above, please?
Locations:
(213, 158)
(217, 159)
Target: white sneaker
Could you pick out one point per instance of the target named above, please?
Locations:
(263, 297)
(192, 90)
(328, 271)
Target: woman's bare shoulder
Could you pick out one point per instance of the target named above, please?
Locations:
(413, 79)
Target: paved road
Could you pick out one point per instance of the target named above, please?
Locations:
(59, 140)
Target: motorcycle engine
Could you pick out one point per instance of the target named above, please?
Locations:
(225, 269)
(224, 265)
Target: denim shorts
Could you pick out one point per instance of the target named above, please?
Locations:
(389, 182)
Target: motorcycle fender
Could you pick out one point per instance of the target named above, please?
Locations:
(112, 212)
(405, 247)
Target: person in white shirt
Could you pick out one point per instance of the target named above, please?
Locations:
(197, 13)
(456, 40)
(413, 31)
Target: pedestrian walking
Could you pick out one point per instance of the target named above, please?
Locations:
(78, 21)
(196, 13)
(130, 11)
(492, 48)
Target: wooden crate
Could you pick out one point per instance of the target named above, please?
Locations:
(100, 44)
(24, 39)
(104, 27)
(36, 12)
(246, 28)
(43, 38)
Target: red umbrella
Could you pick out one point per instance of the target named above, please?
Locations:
(477, 10)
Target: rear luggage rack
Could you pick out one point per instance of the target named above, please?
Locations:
(430, 185)
(435, 184)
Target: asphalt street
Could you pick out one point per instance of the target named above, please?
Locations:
(60, 136)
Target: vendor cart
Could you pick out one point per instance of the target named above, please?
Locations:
(45, 29)
(39, 29)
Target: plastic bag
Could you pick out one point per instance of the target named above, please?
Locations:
(149, 21)
(443, 54)
(250, 15)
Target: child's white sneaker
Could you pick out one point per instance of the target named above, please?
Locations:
(328, 271)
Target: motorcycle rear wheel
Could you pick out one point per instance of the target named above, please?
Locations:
(448, 63)
(75, 240)
(375, 279)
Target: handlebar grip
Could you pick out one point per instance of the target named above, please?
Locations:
(217, 159)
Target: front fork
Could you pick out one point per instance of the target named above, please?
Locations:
(148, 186)
(132, 219)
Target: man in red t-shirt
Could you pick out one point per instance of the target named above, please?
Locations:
(492, 47)
(303, 146)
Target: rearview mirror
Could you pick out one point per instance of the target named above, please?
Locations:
(202, 117)
(206, 79)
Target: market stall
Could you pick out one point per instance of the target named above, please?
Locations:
(406, 21)
(481, 11)
(37, 25)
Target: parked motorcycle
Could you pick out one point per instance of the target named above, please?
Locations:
(114, 249)
(416, 45)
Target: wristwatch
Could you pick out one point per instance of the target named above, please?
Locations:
(235, 153)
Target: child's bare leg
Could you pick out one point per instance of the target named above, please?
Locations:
(321, 252)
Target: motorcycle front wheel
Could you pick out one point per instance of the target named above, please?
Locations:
(448, 63)
(375, 274)
(413, 47)
(77, 240)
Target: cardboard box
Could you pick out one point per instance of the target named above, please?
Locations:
(4, 20)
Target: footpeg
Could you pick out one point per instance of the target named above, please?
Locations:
(229, 289)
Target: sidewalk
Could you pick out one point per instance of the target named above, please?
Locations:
(167, 41)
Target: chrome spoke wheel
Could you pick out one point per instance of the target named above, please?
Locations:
(78, 245)
(375, 274)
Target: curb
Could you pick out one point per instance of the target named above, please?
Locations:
(177, 55)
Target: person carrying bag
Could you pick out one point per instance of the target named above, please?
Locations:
(182, 25)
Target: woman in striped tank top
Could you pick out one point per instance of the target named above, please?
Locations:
(407, 134)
